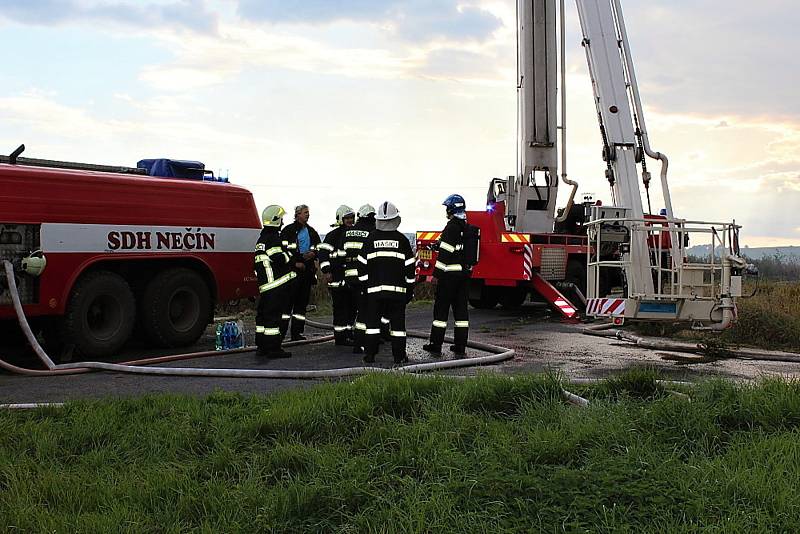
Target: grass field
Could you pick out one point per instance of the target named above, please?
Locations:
(770, 319)
(405, 454)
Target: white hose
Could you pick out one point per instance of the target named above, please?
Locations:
(574, 399)
(31, 405)
(696, 348)
(23, 322)
(499, 354)
(602, 326)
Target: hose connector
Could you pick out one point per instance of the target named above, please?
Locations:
(34, 264)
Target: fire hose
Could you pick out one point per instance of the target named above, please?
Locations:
(691, 348)
(498, 354)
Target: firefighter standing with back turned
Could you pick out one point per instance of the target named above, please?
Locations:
(274, 272)
(352, 243)
(386, 270)
(332, 265)
(452, 274)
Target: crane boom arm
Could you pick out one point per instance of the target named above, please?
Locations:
(607, 68)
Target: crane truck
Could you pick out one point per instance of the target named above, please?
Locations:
(619, 261)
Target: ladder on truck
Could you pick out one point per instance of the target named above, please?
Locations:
(637, 262)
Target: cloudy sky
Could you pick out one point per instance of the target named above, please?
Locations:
(353, 101)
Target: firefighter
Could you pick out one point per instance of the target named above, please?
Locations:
(302, 241)
(331, 263)
(352, 243)
(274, 272)
(452, 275)
(386, 270)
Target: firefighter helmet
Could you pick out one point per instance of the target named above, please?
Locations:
(455, 204)
(273, 216)
(386, 212)
(388, 218)
(365, 211)
(342, 213)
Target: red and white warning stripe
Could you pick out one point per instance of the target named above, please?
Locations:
(566, 308)
(599, 307)
(527, 262)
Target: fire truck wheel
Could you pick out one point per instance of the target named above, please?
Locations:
(11, 334)
(175, 308)
(487, 300)
(100, 314)
(511, 298)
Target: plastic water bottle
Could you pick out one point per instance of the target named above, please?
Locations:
(226, 336)
(234, 335)
(242, 341)
(218, 340)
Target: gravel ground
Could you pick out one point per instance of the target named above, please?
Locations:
(541, 342)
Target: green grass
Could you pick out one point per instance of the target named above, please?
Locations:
(406, 454)
(770, 319)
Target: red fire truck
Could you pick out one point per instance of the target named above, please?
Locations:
(622, 261)
(123, 250)
(514, 264)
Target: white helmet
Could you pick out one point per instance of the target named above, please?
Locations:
(386, 212)
(366, 210)
(342, 212)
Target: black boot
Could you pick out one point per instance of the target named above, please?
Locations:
(435, 350)
(458, 350)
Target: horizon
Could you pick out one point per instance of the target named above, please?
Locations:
(324, 104)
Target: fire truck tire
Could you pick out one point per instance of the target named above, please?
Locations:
(11, 334)
(511, 298)
(175, 308)
(100, 314)
(486, 301)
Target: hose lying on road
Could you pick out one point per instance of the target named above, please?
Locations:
(693, 348)
(498, 354)
(137, 366)
(31, 405)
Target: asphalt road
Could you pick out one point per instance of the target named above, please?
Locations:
(540, 341)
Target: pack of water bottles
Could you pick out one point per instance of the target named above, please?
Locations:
(230, 335)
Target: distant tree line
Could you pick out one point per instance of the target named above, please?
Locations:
(778, 267)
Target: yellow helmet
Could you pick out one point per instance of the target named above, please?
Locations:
(342, 212)
(273, 216)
